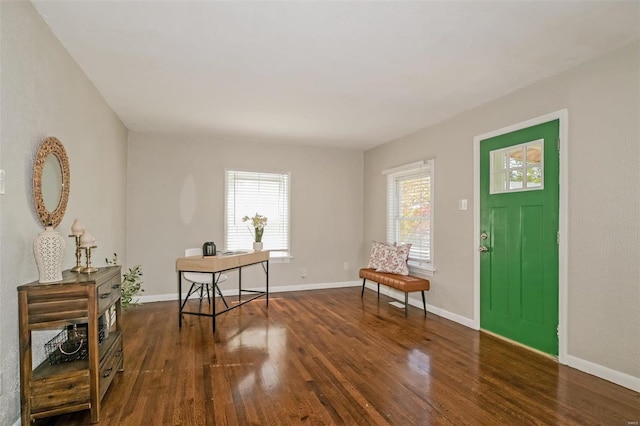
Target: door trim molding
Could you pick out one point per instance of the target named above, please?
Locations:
(563, 117)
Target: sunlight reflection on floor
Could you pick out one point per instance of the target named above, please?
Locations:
(262, 348)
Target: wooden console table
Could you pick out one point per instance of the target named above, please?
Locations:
(82, 300)
(218, 264)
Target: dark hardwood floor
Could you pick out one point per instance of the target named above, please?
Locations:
(329, 357)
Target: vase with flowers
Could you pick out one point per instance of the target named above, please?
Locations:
(258, 223)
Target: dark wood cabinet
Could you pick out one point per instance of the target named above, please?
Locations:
(86, 300)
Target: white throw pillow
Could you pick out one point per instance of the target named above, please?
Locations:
(376, 254)
(393, 259)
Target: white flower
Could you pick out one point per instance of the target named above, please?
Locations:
(259, 222)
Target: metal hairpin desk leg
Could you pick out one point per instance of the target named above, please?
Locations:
(213, 305)
(180, 299)
(265, 267)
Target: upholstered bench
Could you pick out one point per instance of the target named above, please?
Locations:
(405, 283)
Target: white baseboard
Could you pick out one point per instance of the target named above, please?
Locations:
(316, 286)
(272, 289)
(399, 295)
(622, 379)
(467, 322)
(18, 422)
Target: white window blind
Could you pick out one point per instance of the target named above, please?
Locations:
(410, 211)
(248, 193)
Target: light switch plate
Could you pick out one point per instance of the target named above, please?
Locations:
(1, 182)
(462, 204)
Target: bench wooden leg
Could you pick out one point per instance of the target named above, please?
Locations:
(364, 280)
(378, 290)
(424, 303)
(406, 304)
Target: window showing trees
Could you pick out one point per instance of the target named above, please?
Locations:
(410, 211)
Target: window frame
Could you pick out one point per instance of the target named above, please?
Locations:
(279, 255)
(416, 265)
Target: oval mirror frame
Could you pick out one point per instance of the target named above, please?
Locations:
(50, 146)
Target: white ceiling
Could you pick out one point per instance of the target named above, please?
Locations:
(352, 74)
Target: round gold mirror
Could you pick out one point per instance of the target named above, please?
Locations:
(51, 182)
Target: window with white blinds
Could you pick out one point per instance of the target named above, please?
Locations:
(248, 193)
(410, 211)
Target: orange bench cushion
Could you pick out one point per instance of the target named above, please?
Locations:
(405, 283)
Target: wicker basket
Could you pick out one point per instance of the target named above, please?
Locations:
(68, 345)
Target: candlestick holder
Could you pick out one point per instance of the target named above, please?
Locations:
(78, 266)
(89, 269)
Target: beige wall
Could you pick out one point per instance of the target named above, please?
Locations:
(44, 93)
(326, 205)
(603, 102)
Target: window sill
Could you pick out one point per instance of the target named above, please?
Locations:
(423, 272)
(280, 258)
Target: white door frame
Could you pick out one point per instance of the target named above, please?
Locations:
(563, 116)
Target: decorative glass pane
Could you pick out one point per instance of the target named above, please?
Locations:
(515, 157)
(499, 182)
(534, 154)
(515, 179)
(534, 177)
(499, 160)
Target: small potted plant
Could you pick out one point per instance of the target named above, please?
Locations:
(258, 222)
(131, 283)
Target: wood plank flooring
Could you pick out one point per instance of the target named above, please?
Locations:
(329, 357)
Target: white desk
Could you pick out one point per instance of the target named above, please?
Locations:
(217, 264)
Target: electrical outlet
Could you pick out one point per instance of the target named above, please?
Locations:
(346, 265)
(303, 273)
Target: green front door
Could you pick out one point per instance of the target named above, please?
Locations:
(519, 196)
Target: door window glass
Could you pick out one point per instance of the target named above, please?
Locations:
(518, 168)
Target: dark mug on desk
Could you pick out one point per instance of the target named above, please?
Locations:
(209, 248)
